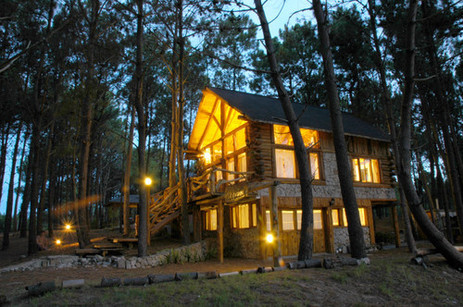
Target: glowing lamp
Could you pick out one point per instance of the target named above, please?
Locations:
(269, 238)
(67, 227)
(148, 181)
(58, 242)
(207, 157)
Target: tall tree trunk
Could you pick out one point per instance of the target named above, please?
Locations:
(139, 105)
(128, 167)
(433, 234)
(181, 106)
(3, 153)
(306, 239)
(26, 198)
(43, 189)
(357, 241)
(387, 103)
(21, 170)
(51, 199)
(35, 154)
(9, 201)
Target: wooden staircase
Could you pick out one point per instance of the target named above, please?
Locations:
(164, 208)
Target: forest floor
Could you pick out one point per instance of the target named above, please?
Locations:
(390, 279)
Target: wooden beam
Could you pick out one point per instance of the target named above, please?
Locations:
(208, 123)
(220, 230)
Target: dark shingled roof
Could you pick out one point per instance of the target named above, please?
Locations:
(269, 110)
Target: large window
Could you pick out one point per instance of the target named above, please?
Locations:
(285, 163)
(366, 170)
(285, 160)
(287, 219)
(289, 223)
(244, 216)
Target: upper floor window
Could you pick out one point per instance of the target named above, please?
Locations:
(282, 136)
(285, 160)
(366, 170)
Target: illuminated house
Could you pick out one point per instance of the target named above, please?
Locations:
(243, 148)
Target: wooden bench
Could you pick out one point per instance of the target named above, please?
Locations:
(126, 242)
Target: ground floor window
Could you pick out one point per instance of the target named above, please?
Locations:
(244, 216)
(292, 219)
(210, 217)
(339, 218)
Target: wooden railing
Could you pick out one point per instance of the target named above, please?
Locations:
(164, 208)
(208, 183)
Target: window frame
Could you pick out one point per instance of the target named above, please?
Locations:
(252, 216)
(315, 149)
(357, 170)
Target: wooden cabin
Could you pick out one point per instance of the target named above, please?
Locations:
(246, 162)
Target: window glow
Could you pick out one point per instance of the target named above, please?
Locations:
(335, 217)
(285, 163)
(287, 218)
(317, 219)
(241, 216)
(282, 136)
(314, 165)
(366, 170)
(298, 219)
(211, 219)
(207, 156)
(268, 221)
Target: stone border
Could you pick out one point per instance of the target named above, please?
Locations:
(191, 253)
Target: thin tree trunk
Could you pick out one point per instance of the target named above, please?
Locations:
(128, 167)
(3, 153)
(433, 234)
(43, 189)
(9, 202)
(357, 241)
(142, 205)
(26, 200)
(21, 166)
(306, 239)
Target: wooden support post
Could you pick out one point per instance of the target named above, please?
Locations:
(395, 220)
(220, 230)
(275, 225)
(329, 232)
(197, 223)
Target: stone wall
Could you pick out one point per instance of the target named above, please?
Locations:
(341, 238)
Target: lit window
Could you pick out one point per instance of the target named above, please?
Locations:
(211, 219)
(242, 165)
(344, 218)
(254, 215)
(287, 220)
(217, 152)
(285, 163)
(335, 217)
(240, 138)
(365, 170)
(362, 214)
(282, 136)
(298, 219)
(207, 156)
(229, 146)
(317, 219)
(268, 221)
(240, 216)
(310, 138)
(231, 167)
(314, 165)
